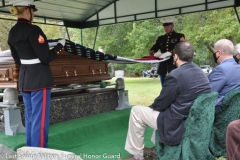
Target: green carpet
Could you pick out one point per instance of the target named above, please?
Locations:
(100, 136)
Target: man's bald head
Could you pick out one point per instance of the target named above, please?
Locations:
(225, 45)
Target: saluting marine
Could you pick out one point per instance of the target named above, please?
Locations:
(166, 43)
(30, 50)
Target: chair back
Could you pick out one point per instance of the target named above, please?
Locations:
(197, 132)
(228, 111)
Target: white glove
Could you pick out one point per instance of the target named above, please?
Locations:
(62, 41)
(163, 55)
(166, 54)
(157, 54)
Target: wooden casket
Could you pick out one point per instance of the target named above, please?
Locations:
(66, 69)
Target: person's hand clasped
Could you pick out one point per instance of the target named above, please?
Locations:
(62, 41)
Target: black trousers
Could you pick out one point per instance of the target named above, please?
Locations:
(166, 67)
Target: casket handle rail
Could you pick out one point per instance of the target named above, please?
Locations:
(74, 72)
(4, 78)
(15, 74)
(100, 71)
(93, 71)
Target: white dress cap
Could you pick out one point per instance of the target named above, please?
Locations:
(22, 2)
(168, 20)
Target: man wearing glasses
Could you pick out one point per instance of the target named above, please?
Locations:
(225, 77)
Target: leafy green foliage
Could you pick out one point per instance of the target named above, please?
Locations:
(5, 27)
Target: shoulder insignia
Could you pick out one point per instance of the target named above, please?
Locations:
(182, 39)
(41, 39)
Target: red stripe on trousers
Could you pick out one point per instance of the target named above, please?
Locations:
(43, 117)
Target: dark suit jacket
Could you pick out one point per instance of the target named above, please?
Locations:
(182, 86)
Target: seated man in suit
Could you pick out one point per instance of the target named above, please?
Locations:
(170, 109)
(226, 76)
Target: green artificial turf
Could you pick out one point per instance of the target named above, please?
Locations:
(100, 136)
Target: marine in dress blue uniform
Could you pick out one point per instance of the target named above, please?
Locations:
(166, 43)
(30, 50)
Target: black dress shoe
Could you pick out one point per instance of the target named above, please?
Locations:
(150, 151)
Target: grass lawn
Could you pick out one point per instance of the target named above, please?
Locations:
(143, 91)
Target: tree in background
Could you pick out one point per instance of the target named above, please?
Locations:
(203, 29)
(5, 26)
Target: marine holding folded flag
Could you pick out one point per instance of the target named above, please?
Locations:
(30, 50)
(166, 43)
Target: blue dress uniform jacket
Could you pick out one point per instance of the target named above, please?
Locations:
(166, 43)
(182, 86)
(28, 42)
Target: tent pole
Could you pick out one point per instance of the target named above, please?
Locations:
(67, 33)
(81, 33)
(235, 8)
(95, 38)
